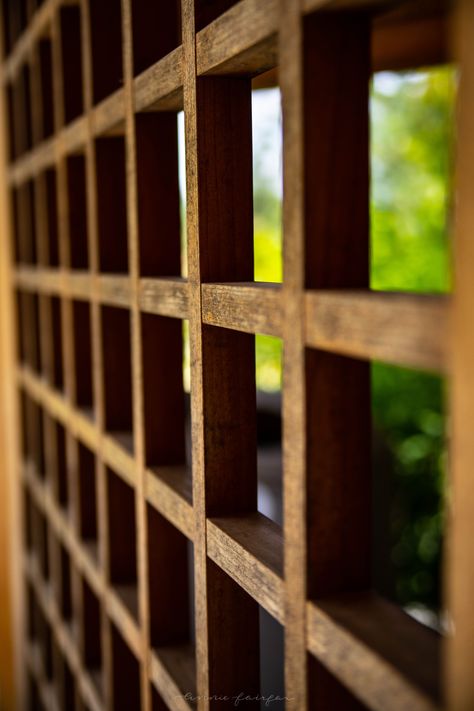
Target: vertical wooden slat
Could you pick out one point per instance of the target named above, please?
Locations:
(324, 76)
(460, 569)
(96, 327)
(132, 152)
(219, 202)
(12, 594)
(294, 452)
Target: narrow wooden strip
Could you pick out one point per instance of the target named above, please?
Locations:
(241, 41)
(167, 490)
(172, 672)
(404, 329)
(250, 550)
(47, 281)
(387, 659)
(253, 308)
(162, 296)
(114, 290)
(165, 297)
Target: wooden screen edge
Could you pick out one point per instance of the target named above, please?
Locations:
(11, 588)
(459, 571)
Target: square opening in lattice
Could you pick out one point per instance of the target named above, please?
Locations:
(412, 145)
(46, 93)
(268, 358)
(83, 381)
(267, 176)
(111, 204)
(77, 212)
(116, 353)
(24, 225)
(157, 703)
(409, 460)
(107, 69)
(22, 111)
(125, 675)
(87, 499)
(272, 661)
(33, 435)
(156, 31)
(170, 591)
(40, 534)
(166, 406)
(161, 211)
(65, 585)
(50, 249)
(325, 689)
(71, 61)
(42, 642)
(253, 640)
(28, 520)
(92, 648)
(52, 335)
(10, 110)
(56, 461)
(122, 540)
(208, 10)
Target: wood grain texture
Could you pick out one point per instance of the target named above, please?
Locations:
(252, 308)
(250, 550)
(387, 659)
(241, 41)
(403, 329)
(459, 578)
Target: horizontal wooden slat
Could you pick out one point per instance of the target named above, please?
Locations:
(168, 489)
(162, 296)
(254, 308)
(387, 659)
(241, 41)
(404, 329)
(250, 550)
(173, 673)
(165, 297)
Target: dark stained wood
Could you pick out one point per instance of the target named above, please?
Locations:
(158, 208)
(113, 502)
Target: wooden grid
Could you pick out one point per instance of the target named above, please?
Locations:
(108, 499)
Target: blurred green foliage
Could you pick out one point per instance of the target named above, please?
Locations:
(411, 143)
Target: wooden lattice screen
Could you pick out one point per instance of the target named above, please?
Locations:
(108, 499)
